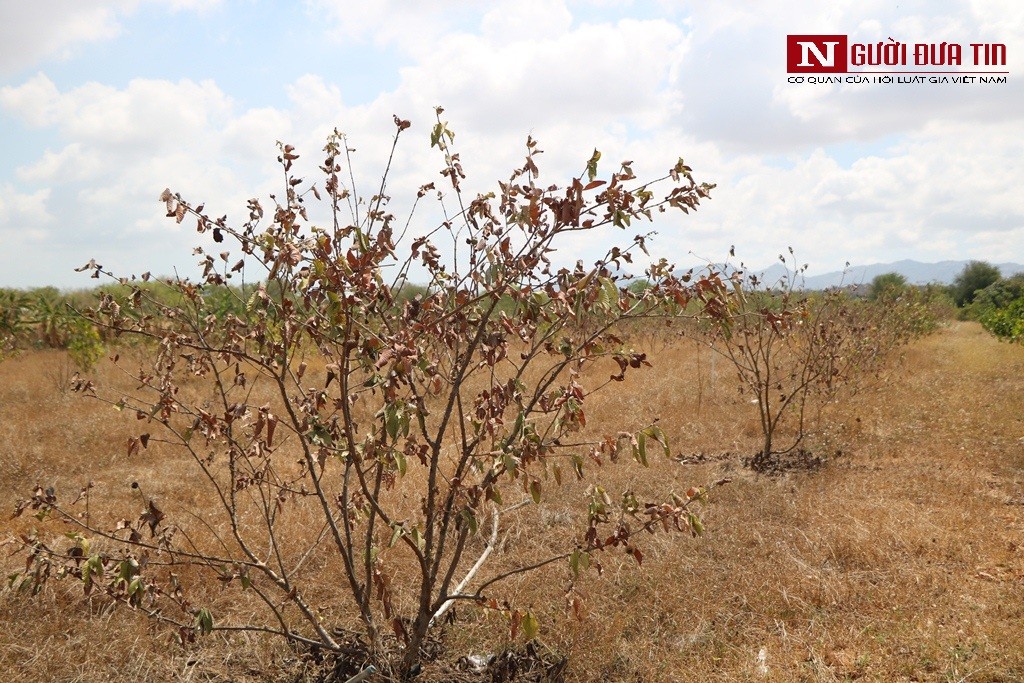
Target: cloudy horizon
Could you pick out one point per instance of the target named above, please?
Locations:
(103, 104)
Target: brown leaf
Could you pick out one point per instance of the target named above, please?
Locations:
(152, 516)
(399, 628)
(271, 426)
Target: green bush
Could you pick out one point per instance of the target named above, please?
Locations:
(1006, 323)
(85, 347)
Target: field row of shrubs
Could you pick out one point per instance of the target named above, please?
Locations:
(979, 292)
(999, 305)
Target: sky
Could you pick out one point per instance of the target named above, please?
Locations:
(103, 104)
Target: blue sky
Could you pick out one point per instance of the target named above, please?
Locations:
(105, 103)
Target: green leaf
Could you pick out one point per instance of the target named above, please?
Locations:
(494, 495)
(535, 491)
(640, 452)
(93, 567)
(392, 420)
(609, 293)
(592, 165)
(417, 539)
(656, 433)
(578, 561)
(440, 129)
(126, 569)
(203, 621)
(400, 462)
(577, 465)
(696, 526)
(531, 628)
(564, 345)
(518, 427)
(470, 518)
(509, 461)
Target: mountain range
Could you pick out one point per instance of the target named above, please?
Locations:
(917, 273)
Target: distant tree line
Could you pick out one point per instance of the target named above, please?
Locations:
(979, 292)
(45, 317)
(48, 318)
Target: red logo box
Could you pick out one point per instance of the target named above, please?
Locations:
(816, 54)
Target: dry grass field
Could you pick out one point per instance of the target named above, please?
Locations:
(901, 558)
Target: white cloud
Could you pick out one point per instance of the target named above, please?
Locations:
(200, 6)
(69, 164)
(411, 26)
(125, 145)
(590, 74)
(933, 196)
(508, 22)
(36, 31)
(147, 114)
(26, 233)
(23, 210)
(42, 29)
(314, 101)
(35, 101)
(253, 134)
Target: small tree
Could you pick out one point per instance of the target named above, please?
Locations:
(975, 275)
(404, 426)
(887, 286)
(794, 350)
(783, 349)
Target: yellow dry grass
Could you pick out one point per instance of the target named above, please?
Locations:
(901, 560)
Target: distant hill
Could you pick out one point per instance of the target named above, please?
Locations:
(917, 273)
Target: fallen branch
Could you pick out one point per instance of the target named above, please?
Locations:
(491, 543)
